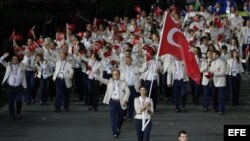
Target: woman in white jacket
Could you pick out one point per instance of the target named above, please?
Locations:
(234, 69)
(144, 109)
(44, 73)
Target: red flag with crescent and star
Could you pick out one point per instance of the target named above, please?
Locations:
(175, 43)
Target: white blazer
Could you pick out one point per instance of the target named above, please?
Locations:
(230, 66)
(68, 73)
(124, 92)
(49, 70)
(21, 70)
(218, 68)
(166, 61)
(171, 73)
(25, 62)
(138, 105)
(135, 77)
(204, 69)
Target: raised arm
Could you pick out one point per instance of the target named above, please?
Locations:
(101, 79)
(2, 61)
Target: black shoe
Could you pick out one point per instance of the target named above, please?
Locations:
(177, 110)
(118, 132)
(57, 110)
(115, 136)
(33, 102)
(90, 108)
(184, 110)
(221, 113)
(205, 109)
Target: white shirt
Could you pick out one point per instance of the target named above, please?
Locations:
(87, 42)
(142, 103)
(248, 36)
(178, 70)
(129, 76)
(15, 76)
(150, 71)
(235, 68)
(107, 66)
(93, 66)
(203, 50)
(46, 70)
(61, 72)
(115, 93)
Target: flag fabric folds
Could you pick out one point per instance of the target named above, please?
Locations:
(175, 43)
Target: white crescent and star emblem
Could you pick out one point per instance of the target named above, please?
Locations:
(171, 40)
(170, 36)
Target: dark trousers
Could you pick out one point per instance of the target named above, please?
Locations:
(52, 89)
(133, 95)
(219, 99)
(147, 84)
(85, 88)
(30, 92)
(62, 94)
(166, 90)
(15, 95)
(45, 89)
(196, 91)
(116, 115)
(179, 91)
(143, 135)
(207, 93)
(78, 83)
(234, 88)
(93, 92)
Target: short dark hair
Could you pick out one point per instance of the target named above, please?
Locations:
(224, 47)
(116, 71)
(216, 52)
(129, 44)
(181, 132)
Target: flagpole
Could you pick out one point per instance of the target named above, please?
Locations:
(150, 90)
(157, 55)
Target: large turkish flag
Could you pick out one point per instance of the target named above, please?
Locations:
(175, 43)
